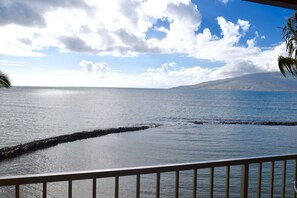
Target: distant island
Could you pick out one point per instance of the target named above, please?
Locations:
(272, 81)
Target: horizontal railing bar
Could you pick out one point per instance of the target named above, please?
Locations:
(55, 177)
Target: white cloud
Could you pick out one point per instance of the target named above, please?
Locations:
(152, 78)
(95, 68)
(224, 1)
(245, 25)
(113, 28)
(168, 75)
(232, 32)
(10, 63)
(236, 69)
(92, 26)
(102, 75)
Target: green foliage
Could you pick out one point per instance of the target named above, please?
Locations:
(4, 81)
(289, 64)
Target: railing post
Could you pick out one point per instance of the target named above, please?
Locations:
(284, 179)
(259, 179)
(158, 185)
(138, 186)
(176, 184)
(211, 181)
(227, 181)
(17, 191)
(272, 180)
(44, 190)
(116, 190)
(244, 181)
(295, 176)
(70, 189)
(195, 183)
(94, 187)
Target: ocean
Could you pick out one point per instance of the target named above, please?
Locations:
(31, 113)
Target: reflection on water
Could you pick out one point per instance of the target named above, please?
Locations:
(27, 115)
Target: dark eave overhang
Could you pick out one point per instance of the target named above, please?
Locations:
(291, 4)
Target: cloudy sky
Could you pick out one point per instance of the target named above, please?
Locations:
(137, 43)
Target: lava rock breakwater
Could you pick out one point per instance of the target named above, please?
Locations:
(13, 151)
(267, 123)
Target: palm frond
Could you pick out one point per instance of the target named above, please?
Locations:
(287, 64)
(290, 35)
(4, 80)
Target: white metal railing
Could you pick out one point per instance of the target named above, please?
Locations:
(245, 163)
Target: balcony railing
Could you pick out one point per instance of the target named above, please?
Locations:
(245, 175)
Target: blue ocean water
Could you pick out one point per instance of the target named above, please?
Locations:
(29, 113)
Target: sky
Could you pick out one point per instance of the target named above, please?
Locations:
(137, 43)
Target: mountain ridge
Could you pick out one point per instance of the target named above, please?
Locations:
(270, 81)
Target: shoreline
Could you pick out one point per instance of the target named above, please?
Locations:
(14, 151)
